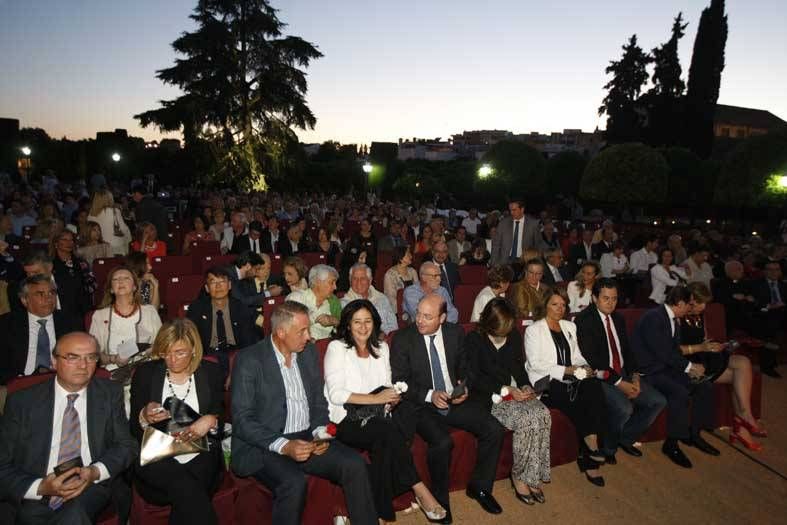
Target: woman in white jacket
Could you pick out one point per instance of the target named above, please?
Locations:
(665, 275)
(103, 212)
(552, 351)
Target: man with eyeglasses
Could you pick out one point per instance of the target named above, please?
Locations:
(73, 416)
(30, 334)
(430, 281)
(528, 294)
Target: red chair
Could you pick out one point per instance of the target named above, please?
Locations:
(472, 274)
(170, 265)
(468, 327)
(181, 290)
(276, 264)
(207, 261)
(20, 383)
(322, 349)
(464, 297)
(399, 303)
(203, 248)
(379, 277)
(268, 307)
(101, 268)
(312, 259)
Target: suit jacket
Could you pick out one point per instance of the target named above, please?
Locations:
(26, 434)
(654, 346)
(592, 338)
(242, 317)
(410, 360)
(285, 247)
(452, 272)
(16, 336)
(542, 354)
(504, 238)
(738, 313)
(761, 292)
(241, 243)
(549, 279)
(576, 256)
(266, 242)
(600, 248)
(148, 384)
(492, 368)
(259, 411)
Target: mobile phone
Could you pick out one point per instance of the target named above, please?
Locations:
(320, 441)
(68, 465)
(459, 391)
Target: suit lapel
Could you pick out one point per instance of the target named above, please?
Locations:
(45, 424)
(94, 417)
(203, 391)
(157, 382)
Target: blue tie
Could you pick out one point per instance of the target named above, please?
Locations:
(43, 350)
(514, 244)
(437, 372)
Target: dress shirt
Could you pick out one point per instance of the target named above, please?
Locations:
(671, 316)
(483, 297)
(295, 394)
(293, 245)
(438, 342)
(471, 225)
(381, 304)
(642, 260)
(699, 274)
(617, 341)
(660, 279)
(609, 263)
(80, 405)
(254, 245)
(555, 273)
(309, 300)
(214, 341)
(32, 340)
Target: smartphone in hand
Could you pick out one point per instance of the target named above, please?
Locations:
(459, 391)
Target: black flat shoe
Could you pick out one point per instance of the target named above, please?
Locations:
(486, 500)
(631, 450)
(538, 495)
(597, 481)
(676, 455)
(527, 499)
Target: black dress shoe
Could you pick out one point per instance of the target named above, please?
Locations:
(611, 459)
(676, 455)
(702, 445)
(486, 500)
(631, 450)
(597, 481)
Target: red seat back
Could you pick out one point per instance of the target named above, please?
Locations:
(202, 248)
(473, 274)
(715, 322)
(20, 383)
(312, 259)
(276, 264)
(268, 307)
(464, 297)
(207, 261)
(181, 290)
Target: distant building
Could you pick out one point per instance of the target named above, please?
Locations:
(739, 123)
(426, 149)
(169, 145)
(310, 149)
(569, 140)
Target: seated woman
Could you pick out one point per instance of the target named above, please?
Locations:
(664, 275)
(424, 244)
(400, 275)
(614, 263)
(147, 241)
(356, 363)
(93, 247)
(325, 245)
(75, 281)
(218, 226)
(185, 482)
(324, 307)
(138, 263)
(477, 255)
(294, 271)
(498, 280)
(549, 238)
(580, 289)
(721, 367)
(122, 324)
(201, 232)
(552, 351)
(497, 360)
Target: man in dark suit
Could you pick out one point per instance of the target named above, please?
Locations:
(656, 346)
(605, 245)
(22, 355)
(514, 235)
(580, 252)
(770, 315)
(632, 405)
(294, 244)
(271, 236)
(429, 356)
(554, 270)
(148, 209)
(249, 242)
(449, 270)
(73, 415)
(279, 410)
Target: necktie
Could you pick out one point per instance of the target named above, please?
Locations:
(775, 299)
(70, 440)
(437, 371)
(43, 350)
(445, 281)
(676, 330)
(221, 332)
(614, 346)
(515, 242)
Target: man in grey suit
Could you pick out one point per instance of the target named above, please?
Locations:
(514, 235)
(279, 412)
(72, 416)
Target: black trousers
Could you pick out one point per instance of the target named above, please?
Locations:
(82, 510)
(682, 423)
(472, 416)
(286, 478)
(391, 471)
(187, 487)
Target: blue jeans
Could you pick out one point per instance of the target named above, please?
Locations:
(627, 419)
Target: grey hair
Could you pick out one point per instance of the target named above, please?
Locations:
(361, 265)
(283, 315)
(36, 258)
(321, 272)
(423, 267)
(33, 280)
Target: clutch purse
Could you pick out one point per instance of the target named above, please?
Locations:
(158, 441)
(363, 413)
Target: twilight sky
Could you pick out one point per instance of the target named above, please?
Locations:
(426, 68)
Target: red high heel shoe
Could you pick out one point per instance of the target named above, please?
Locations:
(753, 429)
(735, 436)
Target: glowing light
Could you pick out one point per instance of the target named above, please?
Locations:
(485, 171)
(673, 221)
(655, 223)
(116, 157)
(417, 184)
(707, 221)
(26, 150)
(367, 167)
(783, 181)
(754, 234)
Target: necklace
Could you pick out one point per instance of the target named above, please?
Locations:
(172, 390)
(124, 316)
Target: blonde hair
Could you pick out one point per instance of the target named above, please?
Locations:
(102, 199)
(171, 332)
(109, 297)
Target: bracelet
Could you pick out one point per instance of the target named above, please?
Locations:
(691, 349)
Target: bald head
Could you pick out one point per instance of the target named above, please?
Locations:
(431, 313)
(74, 359)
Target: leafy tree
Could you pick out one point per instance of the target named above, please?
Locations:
(518, 168)
(750, 173)
(626, 173)
(564, 172)
(624, 118)
(686, 176)
(707, 64)
(244, 86)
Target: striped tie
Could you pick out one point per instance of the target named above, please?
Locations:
(70, 441)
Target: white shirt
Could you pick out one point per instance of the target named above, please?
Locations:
(609, 263)
(254, 245)
(642, 260)
(438, 342)
(614, 336)
(471, 225)
(295, 396)
(555, 273)
(483, 297)
(660, 279)
(191, 400)
(575, 302)
(32, 340)
(80, 405)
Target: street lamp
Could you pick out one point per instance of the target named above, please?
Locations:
(484, 171)
(26, 151)
(367, 167)
(116, 157)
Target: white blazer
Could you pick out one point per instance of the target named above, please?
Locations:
(660, 279)
(147, 329)
(542, 354)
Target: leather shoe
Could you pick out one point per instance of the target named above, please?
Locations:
(597, 481)
(701, 445)
(631, 450)
(676, 455)
(486, 500)
(610, 459)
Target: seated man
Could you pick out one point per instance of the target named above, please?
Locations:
(361, 288)
(527, 295)
(278, 408)
(71, 416)
(632, 405)
(249, 242)
(324, 307)
(30, 334)
(430, 357)
(429, 282)
(294, 244)
(34, 264)
(555, 271)
(237, 228)
(655, 343)
(449, 270)
(770, 315)
(458, 245)
(643, 259)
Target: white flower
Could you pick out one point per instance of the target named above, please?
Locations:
(400, 387)
(504, 391)
(580, 373)
(497, 398)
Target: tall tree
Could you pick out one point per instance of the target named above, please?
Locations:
(244, 85)
(624, 117)
(707, 64)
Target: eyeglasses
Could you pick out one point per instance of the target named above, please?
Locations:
(432, 275)
(178, 354)
(73, 359)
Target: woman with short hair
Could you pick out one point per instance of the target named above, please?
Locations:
(498, 280)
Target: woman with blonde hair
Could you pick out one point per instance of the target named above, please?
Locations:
(580, 289)
(109, 218)
(93, 245)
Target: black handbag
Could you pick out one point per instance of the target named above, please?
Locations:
(364, 413)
